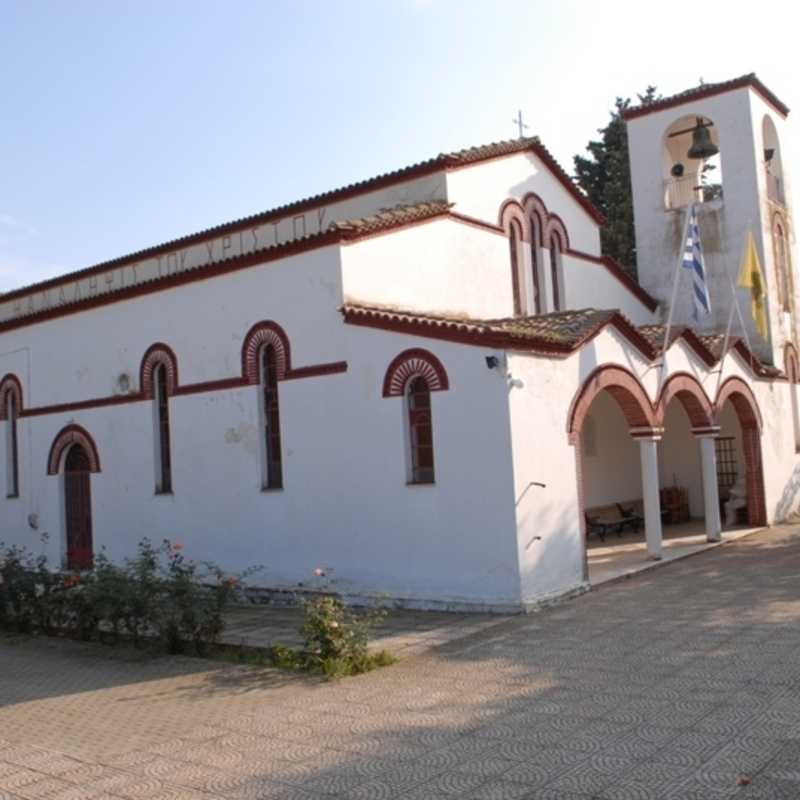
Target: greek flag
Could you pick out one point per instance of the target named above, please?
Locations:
(693, 260)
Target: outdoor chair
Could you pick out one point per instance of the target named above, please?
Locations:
(630, 518)
(601, 527)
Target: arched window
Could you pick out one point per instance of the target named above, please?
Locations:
(773, 167)
(691, 162)
(515, 246)
(270, 415)
(536, 238)
(793, 374)
(413, 375)
(420, 429)
(12, 456)
(780, 247)
(163, 452)
(555, 271)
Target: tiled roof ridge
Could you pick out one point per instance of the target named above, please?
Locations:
(389, 217)
(707, 90)
(709, 346)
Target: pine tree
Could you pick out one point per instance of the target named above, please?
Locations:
(605, 176)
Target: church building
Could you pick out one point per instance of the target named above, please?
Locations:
(432, 383)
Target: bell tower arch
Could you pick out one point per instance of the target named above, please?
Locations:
(716, 146)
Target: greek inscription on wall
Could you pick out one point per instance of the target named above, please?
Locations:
(247, 240)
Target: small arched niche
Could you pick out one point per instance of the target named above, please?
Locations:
(692, 162)
(773, 166)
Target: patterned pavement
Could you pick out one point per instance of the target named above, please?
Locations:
(675, 684)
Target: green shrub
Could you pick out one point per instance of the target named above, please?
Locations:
(157, 596)
(336, 640)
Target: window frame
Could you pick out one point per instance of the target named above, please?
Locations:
(271, 446)
(515, 239)
(556, 252)
(164, 482)
(419, 419)
(12, 446)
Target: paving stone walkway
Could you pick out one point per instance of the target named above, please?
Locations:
(403, 632)
(670, 685)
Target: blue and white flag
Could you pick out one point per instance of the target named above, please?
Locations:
(693, 260)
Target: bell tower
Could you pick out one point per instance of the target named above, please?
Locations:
(717, 146)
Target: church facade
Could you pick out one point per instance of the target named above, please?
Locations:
(424, 382)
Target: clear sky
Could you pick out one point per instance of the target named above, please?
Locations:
(128, 123)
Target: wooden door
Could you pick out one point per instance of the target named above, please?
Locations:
(78, 497)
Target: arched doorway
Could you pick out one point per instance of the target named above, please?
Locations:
(74, 451)
(738, 416)
(612, 426)
(78, 508)
(687, 458)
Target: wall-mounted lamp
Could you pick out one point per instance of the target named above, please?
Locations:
(492, 362)
(769, 152)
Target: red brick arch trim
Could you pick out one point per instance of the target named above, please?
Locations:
(790, 363)
(156, 355)
(692, 397)
(409, 364)
(260, 335)
(535, 207)
(72, 434)
(744, 403)
(556, 227)
(512, 210)
(10, 385)
(624, 387)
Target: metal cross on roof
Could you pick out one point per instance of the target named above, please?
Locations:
(518, 122)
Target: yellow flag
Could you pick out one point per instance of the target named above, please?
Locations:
(751, 277)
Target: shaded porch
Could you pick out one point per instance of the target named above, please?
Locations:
(622, 556)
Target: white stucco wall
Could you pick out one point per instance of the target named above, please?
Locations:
(442, 266)
(591, 285)
(345, 506)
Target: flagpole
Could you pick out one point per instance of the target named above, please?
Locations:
(675, 284)
(737, 308)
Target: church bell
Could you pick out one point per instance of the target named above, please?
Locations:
(702, 146)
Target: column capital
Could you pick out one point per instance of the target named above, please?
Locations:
(706, 432)
(653, 434)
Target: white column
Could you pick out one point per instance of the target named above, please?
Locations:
(648, 450)
(708, 461)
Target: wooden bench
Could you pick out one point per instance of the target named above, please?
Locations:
(614, 518)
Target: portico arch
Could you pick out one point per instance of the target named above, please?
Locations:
(639, 416)
(624, 387)
(743, 401)
(687, 390)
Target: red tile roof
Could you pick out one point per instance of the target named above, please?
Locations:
(709, 90)
(556, 335)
